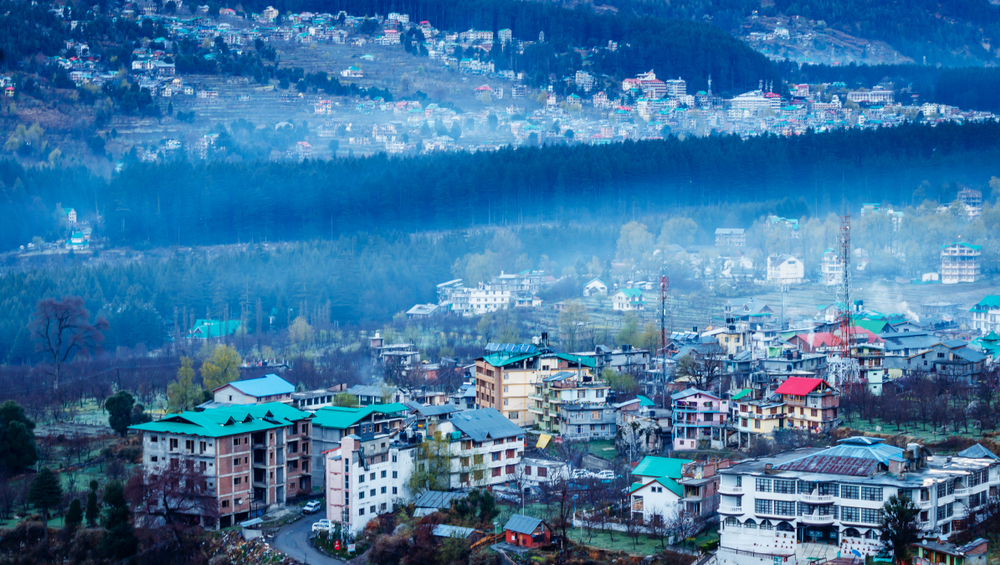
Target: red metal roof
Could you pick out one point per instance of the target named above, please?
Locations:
(799, 386)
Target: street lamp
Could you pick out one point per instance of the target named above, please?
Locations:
(496, 527)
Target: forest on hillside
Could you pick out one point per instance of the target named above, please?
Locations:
(181, 203)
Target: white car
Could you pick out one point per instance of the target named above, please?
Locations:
(323, 525)
(606, 474)
(312, 507)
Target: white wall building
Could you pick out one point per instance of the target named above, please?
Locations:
(485, 448)
(769, 506)
(785, 269)
(366, 477)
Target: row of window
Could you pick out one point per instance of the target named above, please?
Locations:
(361, 476)
(791, 486)
(361, 493)
(792, 509)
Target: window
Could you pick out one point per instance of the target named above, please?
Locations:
(237, 481)
(372, 477)
(756, 424)
(871, 515)
(828, 489)
(371, 509)
(784, 487)
(871, 493)
(942, 490)
(393, 490)
(784, 508)
(495, 456)
(762, 506)
(154, 439)
(225, 504)
(763, 485)
(361, 495)
(849, 491)
(236, 441)
(372, 493)
(496, 471)
(361, 478)
(509, 454)
(173, 444)
(154, 459)
(361, 511)
(383, 474)
(509, 469)
(951, 487)
(527, 470)
(543, 472)
(395, 474)
(382, 491)
(850, 514)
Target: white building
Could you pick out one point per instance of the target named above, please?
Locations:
(628, 299)
(595, 286)
(269, 388)
(539, 470)
(986, 314)
(785, 269)
(832, 498)
(874, 96)
(960, 263)
(485, 448)
(366, 476)
(832, 268)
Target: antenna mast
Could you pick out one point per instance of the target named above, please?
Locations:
(664, 293)
(845, 371)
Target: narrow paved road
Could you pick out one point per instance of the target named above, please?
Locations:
(293, 541)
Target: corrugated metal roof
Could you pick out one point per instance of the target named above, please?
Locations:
(799, 386)
(522, 524)
(268, 385)
(485, 423)
(852, 466)
(438, 499)
(653, 466)
(978, 452)
(446, 531)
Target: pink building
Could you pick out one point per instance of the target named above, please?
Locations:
(699, 420)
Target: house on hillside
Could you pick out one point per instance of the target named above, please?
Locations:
(269, 388)
(525, 531)
(595, 286)
(208, 329)
(628, 299)
(785, 269)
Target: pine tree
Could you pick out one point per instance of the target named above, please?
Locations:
(93, 512)
(45, 493)
(74, 516)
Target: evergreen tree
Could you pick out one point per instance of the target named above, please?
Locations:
(120, 541)
(17, 438)
(74, 516)
(899, 527)
(93, 512)
(119, 407)
(45, 493)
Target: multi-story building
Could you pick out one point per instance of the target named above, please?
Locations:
(485, 448)
(832, 268)
(834, 496)
(367, 475)
(628, 299)
(810, 404)
(960, 263)
(986, 314)
(562, 388)
(699, 420)
(331, 424)
(625, 359)
(584, 421)
(253, 457)
(700, 481)
(505, 380)
(736, 237)
(754, 419)
(655, 488)
(785, 269)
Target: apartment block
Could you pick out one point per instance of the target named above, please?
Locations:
(699, 420)
(485, 448)
(561, 389)
(332, 424)
(960, 262)
(832, 497)
(810, 404)
(366, 476)
(253, 457)
(505, 380)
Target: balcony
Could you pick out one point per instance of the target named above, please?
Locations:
(960, 513)
(731, 510)
(817, 519)
(961, 492)
(730, 490)
(816, 498)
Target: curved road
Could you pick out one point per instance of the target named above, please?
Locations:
(293, 541)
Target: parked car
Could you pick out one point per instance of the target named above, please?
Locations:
(606, 474)
(323, 525)
(312, 507)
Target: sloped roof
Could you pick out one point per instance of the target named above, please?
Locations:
(874, 326)
(690, 392)
(977, 451)
(667, 482)
(485, 423)
(228, 421)
(343, 417)
(989, 302)
(268, 385)
(857, 456)
(742, 393)
(653, 466)
(446, 531)
(644, 401)
(819, 339)
(522, 524)
(438, 499)
(799, 386)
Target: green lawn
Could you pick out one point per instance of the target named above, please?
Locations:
(622, 542)
(605, 449)
(929, 435)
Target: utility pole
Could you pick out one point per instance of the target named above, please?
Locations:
(664, 293)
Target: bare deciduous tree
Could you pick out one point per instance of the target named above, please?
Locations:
(62, 329)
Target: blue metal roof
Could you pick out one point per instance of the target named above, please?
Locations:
(268, 385)
(522, 524)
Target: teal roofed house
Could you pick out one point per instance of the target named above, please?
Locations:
(207, 329)
(332, 423)
(629, 299)
(233, 449)
(664, 485)
(986, 314)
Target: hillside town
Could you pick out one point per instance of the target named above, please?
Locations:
(498, 107)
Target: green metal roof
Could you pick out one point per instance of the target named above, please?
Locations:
(644, 401)
(500, 360)
(989, 302)
(671, 485)
(739, 395)
(963, 244)
(874, 326)
(653, 466)
(343, 417)
(228, 421)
